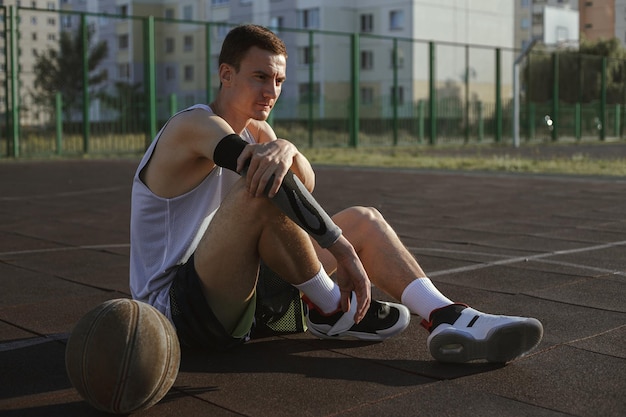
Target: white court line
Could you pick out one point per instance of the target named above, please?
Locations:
(68, 248)
(63, 194)
(19, 344)
(517, 259)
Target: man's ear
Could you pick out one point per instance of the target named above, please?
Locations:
(225, 73)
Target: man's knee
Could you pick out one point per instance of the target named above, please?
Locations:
(361, 219)
(366, 214)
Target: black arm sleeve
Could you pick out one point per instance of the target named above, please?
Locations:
(292, 198)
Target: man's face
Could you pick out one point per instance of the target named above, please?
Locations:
(258, 83)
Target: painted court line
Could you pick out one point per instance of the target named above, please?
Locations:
(20, 344)
(63, 194)
(535, 257)
(64, 249)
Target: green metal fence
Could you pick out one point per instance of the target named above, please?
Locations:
(343, 89)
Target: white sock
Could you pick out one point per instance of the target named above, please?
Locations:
(422, 297)
(322, 291)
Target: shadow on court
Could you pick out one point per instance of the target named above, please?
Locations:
(550, 247)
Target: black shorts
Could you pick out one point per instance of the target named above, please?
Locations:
(195, 322)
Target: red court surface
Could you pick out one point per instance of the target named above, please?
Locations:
(551, 247)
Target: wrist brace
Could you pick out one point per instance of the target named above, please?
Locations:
(292, 198)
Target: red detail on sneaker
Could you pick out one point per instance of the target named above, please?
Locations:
(312, 306)
(426, 324)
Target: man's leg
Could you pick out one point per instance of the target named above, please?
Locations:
(389, 265)
(458, 333)
(244, 230)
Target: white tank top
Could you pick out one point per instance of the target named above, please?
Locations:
(164, 232)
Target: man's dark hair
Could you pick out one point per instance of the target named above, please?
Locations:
(240, 39)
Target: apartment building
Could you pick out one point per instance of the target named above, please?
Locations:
(598, 19)
(37, 31)
(546, 20)
(319, 67)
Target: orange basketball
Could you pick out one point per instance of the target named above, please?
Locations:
(123, 356)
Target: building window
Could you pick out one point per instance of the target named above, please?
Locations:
(188, 72)
(122, 41)
(66, 21)
(367, 23)
(170, 73)
(33, 20)
(52, 21)
(525, 23)
(399, 61)
(396, 20)
(305, 95)
(309, 18)
(169, 13)
(222, 30)
(367, 60)
(399, 98)
(188, 43)
(169, 45)
(122, 9)
(34, 36)
(188, 12)
(123, 71)
(276, 24)
(367, 95)
(305, 57)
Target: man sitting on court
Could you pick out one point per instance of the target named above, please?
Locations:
(217, 193)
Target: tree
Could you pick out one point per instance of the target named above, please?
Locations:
(128, 103)
(61, 70)
(579, 73)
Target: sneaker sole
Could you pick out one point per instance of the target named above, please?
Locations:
(502, 344)
(399, 327)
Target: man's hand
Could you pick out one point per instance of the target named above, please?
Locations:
(268, 161)
(351, 276)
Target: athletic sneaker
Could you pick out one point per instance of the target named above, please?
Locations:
(382, 321)
(461, 334)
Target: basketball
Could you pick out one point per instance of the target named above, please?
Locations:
(123, 356)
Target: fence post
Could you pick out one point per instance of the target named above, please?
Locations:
(354, 116)
(432, 93)
(618, 111)
(150, 76)
(209, 75)
(531, 121)
(481, 124)
(578, 122)
(498, 97)
(394, 97)
(603, 100)
(555, 96)
(173, 104)
(14, 84)
(85, 65)
(58, 111)
(311, 89)
(467, 100)
(420, 120)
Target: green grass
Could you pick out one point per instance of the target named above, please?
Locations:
(455, 159)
